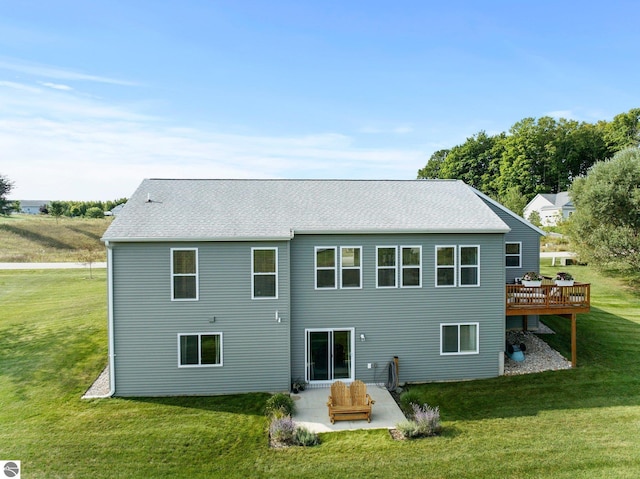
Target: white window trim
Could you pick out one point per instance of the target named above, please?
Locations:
(395, 267)
(199, 353)
(460, 353)
(461, 266)
(197, 275)
(316, 268)
(254, 273)
(454, 266)
(511, 255)
(359, 268)
(402, 267)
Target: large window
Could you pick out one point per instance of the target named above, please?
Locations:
(184, 274)
(460, 338)
(469, 265)
(445, 266)
(411, 266)
(386, 266)
(264, 273)
(326, 267)
(199, 349)
(350, 267)
(513, 255)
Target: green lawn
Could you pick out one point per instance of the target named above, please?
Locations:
(42, 239)
(582, 423)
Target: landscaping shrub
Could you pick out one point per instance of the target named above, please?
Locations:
(425, 421)
(407, 398)
(279, 405)
(304, 437)
(282, 429)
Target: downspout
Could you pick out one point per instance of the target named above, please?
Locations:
(112, 369)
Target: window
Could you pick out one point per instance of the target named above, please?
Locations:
(459, 338)
(264, 273)
(350, 267)
(445, 266)
(199, 349)
(411, 266)
(469, 265)
(325, 267)
(184, 274)
(513, 255)
(387, 271)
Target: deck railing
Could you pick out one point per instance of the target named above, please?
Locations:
(548, 298)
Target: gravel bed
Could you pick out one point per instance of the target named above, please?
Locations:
(538, 357)
(100, 387)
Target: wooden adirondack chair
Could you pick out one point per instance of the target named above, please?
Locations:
(349, 402)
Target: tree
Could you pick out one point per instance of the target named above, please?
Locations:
(534, 218)
(56, 209)
(5, 188)
(624, 130)
(432, 168)
(514, 200)
(605, 229)
(94, 212)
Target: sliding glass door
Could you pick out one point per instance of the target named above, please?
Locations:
(329, 355)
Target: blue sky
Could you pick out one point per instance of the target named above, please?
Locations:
(97, 95)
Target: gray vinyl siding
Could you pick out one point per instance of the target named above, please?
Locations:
(530, 250)
(256, 354)
(403, 322)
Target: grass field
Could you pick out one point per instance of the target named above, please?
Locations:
(582, 423)
(43, 239)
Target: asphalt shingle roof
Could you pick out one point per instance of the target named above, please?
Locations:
(199, 209)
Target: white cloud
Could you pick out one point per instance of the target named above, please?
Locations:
(56, 86)
(47, 71)
(59, 144)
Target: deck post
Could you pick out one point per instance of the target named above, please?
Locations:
(574, 352)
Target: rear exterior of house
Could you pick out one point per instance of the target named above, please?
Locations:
(316, 280)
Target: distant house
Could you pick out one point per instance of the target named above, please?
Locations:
(551, 207)
(33, 207)
(320, 280)
(115, 210)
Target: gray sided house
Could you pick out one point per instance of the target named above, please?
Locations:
(318, 280)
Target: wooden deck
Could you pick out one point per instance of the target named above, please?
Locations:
(548, 299)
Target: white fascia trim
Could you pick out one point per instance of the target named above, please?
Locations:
(210, 239)
(406, 231)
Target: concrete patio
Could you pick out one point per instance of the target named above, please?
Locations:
(312, 412)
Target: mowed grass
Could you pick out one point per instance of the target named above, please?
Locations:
(43, 239)
(582, 423)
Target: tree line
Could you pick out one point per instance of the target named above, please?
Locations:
(88, 209)
(542, 155)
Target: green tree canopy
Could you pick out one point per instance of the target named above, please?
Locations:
(541, 155)
(606, 225)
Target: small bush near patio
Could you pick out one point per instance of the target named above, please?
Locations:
(407, 399)
(279, 405)
(424, 422)
(304, 437)
(282, 430)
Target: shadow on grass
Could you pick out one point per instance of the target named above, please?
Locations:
(608, 374)
(86, 233)
(44, 240)
(249, 403)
